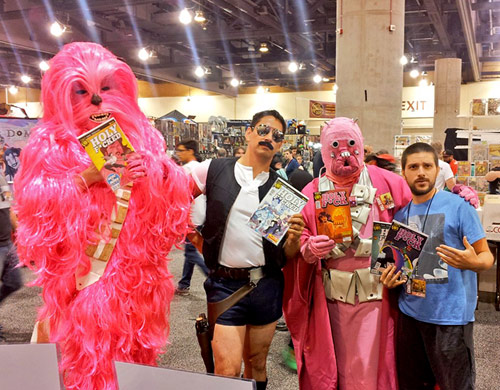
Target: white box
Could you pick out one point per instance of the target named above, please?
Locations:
(491, 217)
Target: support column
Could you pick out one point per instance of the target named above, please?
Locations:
(447, 79)
(368, 72)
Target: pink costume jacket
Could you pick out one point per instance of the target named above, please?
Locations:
(362, 356)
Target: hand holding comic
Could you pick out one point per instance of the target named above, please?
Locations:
(135, 166)
(316, 248)
(296, 226)
(390, 279)
(88, 177)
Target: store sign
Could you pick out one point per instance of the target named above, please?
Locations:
(417, 102)
(321, 109)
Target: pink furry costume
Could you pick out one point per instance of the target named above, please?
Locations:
(124, 315)
(349, 345)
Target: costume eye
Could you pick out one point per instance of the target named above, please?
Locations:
(335, 144)
(352, 142)
(81, 92)
(105, 88)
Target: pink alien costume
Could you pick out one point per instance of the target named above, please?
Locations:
(124, 315)
(345, 341)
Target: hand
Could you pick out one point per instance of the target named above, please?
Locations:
(135, 166)
(461, 259)
(468, 193)
(88, 177)
(316, 248)
(390, 279)
(296, 227)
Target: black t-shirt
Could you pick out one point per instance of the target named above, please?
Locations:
(5, 227)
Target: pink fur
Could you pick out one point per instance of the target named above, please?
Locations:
(124, 315)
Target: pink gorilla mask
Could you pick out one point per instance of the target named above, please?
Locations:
(342, 151)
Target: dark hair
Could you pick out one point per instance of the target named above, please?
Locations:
(238, 148)
(277, 158)
(418, 147)
(257, 117)
(191, 144)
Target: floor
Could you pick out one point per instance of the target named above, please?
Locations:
(17, 315)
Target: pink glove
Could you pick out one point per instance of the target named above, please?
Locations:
(135, 166)
(316, 247)
(468, 193)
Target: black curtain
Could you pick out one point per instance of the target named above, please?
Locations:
(451, 141)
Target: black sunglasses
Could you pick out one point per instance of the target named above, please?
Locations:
(263, 130)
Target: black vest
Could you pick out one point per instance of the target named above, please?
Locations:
(221, 190)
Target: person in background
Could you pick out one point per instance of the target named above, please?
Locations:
(277, 165)
(445, 176)
(10, 275)
(300, 160)
(448, 158)
(187, 153)
(438, 327)
(384, 161)
(236, 254)
(291, 162)
(239, 151)
(493, 177)
(221, 153)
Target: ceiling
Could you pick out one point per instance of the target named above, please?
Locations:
(227, 44)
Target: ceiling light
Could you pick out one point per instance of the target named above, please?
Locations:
(424, 73)
(144, 54)
(235, 82)
(422, 83)
(261, 89)
(317, 78)
(199, 71)
(251, 48)
(403, 60)
(302, 66)
(199, 16)
(185, 16)
(263, 47)
(25, 79)
(293, 67)
(325, 79)
(13, 90)
(57, 29)
(414, 73)
(44, 66)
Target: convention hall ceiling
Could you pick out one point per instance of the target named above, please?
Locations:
(228, 43)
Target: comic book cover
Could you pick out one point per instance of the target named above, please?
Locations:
(493, 106)
(482, 185)
(494, 150)
(494, 163)
(480, 168)
(380, 230)
(472, 181)
(463, 168)
(478, 107)
(108, 148)
(333, 215)
(272, 215)
(479, 151)
(401, 247)
(463, 180)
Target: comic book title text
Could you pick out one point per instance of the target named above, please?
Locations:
(412, 239)
(290, 201)
(337, 198)
(105, 138)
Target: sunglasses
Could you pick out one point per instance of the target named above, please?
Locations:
(263, 130)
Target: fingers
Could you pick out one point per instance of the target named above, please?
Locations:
(390, 278)
(466, 243)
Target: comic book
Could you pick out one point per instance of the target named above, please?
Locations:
(480, 168)
(478, 107)
(493, 106)
(333, 215)
(108, 148)
(401, 247)
(479, 151)
(272, 215)
(494, 150)
(380, 230)
(463, 180)
(463, 168)
(482, 185)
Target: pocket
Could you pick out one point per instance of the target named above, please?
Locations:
(368, 285)
(340, 286)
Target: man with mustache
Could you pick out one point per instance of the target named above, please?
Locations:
(235, 253)
(438, 327)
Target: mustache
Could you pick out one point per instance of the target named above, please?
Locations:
(266, 143)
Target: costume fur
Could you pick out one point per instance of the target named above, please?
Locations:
(124, 315)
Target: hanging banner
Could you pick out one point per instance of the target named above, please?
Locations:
(321, 109)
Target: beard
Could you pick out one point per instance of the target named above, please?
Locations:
(419, 190)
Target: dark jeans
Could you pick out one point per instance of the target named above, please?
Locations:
(191, 258)
(428, 354)
(10, 275)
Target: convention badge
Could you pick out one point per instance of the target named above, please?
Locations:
(418, 285)
(387, 201)
(380, 204)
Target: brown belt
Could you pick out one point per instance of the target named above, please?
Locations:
(233, 273)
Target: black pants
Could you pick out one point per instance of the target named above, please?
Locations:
(428, 354)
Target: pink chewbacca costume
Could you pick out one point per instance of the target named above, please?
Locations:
(338, 345)
(124, 315)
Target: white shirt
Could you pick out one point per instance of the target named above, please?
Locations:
(199, 206)
(445, 173)
(241, 245)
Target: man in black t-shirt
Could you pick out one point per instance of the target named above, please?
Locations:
(493, 178)
(9, 275)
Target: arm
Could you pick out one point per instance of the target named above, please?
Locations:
(292, 243)
(476, 257)
(450, 183)
(492, 175)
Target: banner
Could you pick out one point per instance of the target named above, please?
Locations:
(321, 109)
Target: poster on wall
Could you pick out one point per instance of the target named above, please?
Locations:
(321, 109)
(14, 133)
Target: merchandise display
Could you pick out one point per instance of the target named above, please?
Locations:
(124, 314)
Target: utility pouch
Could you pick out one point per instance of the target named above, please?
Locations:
(368, 285)
(340, 286)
